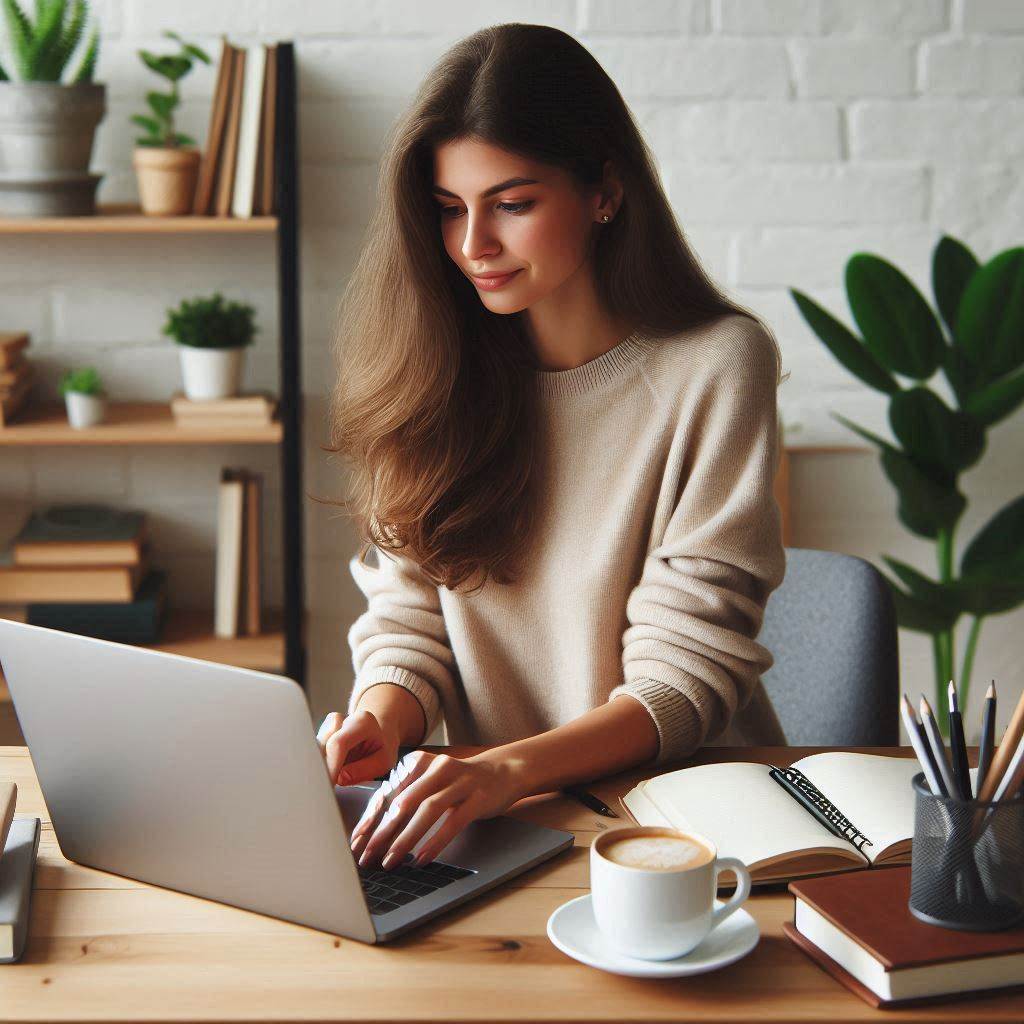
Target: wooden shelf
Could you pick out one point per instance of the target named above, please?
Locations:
(190, 632)
(128, 219)
(45, 423)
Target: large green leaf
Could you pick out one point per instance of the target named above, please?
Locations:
(945, 440)
(926, 505)
(952, 266)
(944, 597)
(997, 551)
(844, 344)
(899, 327)
(990, 321)
(913, 613)
(996, 401)
(990, 597)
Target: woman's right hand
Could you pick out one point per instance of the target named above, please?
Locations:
(357, 747)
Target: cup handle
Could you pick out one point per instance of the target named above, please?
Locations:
(719, 914)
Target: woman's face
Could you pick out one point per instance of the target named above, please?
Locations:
(501, 212)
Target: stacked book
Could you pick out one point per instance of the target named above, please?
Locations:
(85, 569)
(16, 375)
(238, 583)
(251, 410)
(859, 929)
(238, 176)
(19, 846)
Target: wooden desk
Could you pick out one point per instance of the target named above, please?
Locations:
(102, 947)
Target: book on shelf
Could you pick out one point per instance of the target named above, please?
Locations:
(25, 583)
(826, 813)
(12, 348)
(859, 929)
(237, 584)
(139, 621)
(237, 175)
(19, 845)
(253, 409)
(81, 535)
(20, 370)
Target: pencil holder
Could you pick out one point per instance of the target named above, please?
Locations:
(967, 861)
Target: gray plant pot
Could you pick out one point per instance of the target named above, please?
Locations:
(46, 138)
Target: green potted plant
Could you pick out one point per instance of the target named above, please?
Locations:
(212, 337)
(977, 341)
(47, 126)
(166, 161)
(84, 397)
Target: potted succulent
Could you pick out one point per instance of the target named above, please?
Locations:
(84, 397)
(166, 162)
(212, 336)
(47, 127)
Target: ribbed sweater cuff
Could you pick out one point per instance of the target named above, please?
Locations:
(674, 714)
(430, 703)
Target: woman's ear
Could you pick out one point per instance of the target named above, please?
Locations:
(610, 198)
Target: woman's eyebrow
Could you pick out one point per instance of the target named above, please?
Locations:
(493, 190)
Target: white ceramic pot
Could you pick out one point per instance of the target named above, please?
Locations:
(211, 372)
(84, 410)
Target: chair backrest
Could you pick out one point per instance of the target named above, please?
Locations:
(831, 627)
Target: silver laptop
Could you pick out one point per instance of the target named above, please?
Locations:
(208, 779)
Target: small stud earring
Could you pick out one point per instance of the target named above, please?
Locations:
(606, 218)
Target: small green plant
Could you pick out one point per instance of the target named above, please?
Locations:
(173, 67)
(41, 50)
(86, 381)
(976, 339)
(210, 323)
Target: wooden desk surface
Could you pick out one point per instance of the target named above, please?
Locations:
(102, 947)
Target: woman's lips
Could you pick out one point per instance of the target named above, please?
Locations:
(490, 284)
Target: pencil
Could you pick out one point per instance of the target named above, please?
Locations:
(931, 730)
(957, 745)
(1011, 781)
(1001, 758)
(920, 744)
(988, 729)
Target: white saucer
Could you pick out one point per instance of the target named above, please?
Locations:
(574, 931)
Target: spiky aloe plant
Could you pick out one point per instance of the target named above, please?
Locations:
(981, 354)
(41, 50)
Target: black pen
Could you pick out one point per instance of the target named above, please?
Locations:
(988, 733)
(957, 745)
(589, 800)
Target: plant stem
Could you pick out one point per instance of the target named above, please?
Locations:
(965, 675)
(947, 646)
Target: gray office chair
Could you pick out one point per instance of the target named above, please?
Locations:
(831, 627)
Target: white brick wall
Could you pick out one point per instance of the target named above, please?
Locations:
(790, 134)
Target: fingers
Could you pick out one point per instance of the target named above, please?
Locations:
(352, 748)
(408, 769)
(436, 824)
(426, 799)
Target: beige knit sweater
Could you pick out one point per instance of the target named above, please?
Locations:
(657, 546)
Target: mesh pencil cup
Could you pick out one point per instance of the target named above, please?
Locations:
(967, 861)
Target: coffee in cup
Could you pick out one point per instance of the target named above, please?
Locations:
(653, 889)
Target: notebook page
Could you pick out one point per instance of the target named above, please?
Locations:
(741, 809)
(872, 790)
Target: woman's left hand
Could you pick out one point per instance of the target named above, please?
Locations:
(431, 789)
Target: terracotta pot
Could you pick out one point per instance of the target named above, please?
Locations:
(167, 179)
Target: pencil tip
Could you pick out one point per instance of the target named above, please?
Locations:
(991, 691)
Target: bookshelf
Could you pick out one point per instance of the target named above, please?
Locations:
(281, 646)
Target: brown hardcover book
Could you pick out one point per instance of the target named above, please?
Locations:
(226, 168)
(108, 583)
(256, 406)
(252, 551)
(12, 346)
(265, 173)
(9, 379)
(215, 135)
(858, 927)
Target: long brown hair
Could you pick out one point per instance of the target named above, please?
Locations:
(434, 399)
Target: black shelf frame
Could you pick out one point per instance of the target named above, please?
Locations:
(290, 405)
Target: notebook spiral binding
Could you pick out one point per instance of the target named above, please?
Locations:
(799, 786)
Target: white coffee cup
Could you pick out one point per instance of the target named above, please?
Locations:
(656, 900)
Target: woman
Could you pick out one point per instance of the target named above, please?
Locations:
(567, 469)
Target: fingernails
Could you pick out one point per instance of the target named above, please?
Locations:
(390, 859)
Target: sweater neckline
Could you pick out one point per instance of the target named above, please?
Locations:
(594, 372)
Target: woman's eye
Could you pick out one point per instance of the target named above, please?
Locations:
(513, 208)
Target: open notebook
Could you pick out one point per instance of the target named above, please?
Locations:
(749, 814)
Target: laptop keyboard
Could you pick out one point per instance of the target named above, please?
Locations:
(389, 890)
